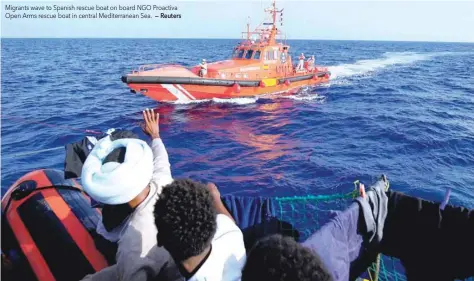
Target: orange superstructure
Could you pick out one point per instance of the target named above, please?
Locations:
(259, 65)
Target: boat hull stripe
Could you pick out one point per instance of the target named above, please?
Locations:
(185, 92)
(175, 92)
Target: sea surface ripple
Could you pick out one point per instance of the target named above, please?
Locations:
(399, 108)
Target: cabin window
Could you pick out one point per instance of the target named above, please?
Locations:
(275, 54)
(241, 53)
(270, 56)
(257, 55)
(249, 54)
(235, 53)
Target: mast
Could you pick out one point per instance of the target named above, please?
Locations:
(267, 35)
(273, 32)
(248, 29)
(274, 13)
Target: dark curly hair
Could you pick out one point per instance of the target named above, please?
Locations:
(185, 217)
(282, 258)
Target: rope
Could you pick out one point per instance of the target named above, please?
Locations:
(51, 125)
(377, 269)
(32, 152)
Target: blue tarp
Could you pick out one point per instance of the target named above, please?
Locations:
(256, 217)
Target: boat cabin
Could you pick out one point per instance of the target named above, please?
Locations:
(254, 61)
(263, 54)
(260, 56)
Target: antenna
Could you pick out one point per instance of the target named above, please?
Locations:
(248, 29)
(267, 30)
(274, 12)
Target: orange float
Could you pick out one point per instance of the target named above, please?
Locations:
(48, 229)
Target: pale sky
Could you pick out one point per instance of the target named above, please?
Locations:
(451, 21)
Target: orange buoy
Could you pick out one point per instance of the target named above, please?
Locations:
(287, 82)
(236, 88)
(262, 84)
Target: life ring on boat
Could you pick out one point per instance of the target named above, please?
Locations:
(48, 228)
(287, 82)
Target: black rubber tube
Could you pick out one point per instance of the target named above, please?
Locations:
(187, 81)
(303, 77)
(208, 82)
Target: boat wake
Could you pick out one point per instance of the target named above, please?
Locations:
(339, 75)
(305, 94)
(366, 67)
(238, 101)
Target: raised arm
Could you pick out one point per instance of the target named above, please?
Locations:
(216, 195)
(161, 164)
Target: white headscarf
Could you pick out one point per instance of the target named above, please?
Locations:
(116, 183)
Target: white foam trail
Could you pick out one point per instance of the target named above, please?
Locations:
(239, 101)
(305, 97)
(304, 94)
(189, 101)
(365, 67)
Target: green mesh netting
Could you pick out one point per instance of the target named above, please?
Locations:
(308, 213)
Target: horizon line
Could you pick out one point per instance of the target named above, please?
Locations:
(196, 38)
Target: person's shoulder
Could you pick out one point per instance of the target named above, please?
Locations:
(141, 231)
(142, 263)
(225, 262)
(226, 223)
(226, 229)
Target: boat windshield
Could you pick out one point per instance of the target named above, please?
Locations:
(235, 53)
(249, 54)
(241, 54)
(257, 55)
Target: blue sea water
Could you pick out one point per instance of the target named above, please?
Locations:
(399, 108)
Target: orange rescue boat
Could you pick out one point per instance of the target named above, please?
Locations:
(259, 65)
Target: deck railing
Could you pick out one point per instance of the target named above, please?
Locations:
(147, 67)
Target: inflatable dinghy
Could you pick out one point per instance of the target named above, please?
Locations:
(48, 229)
